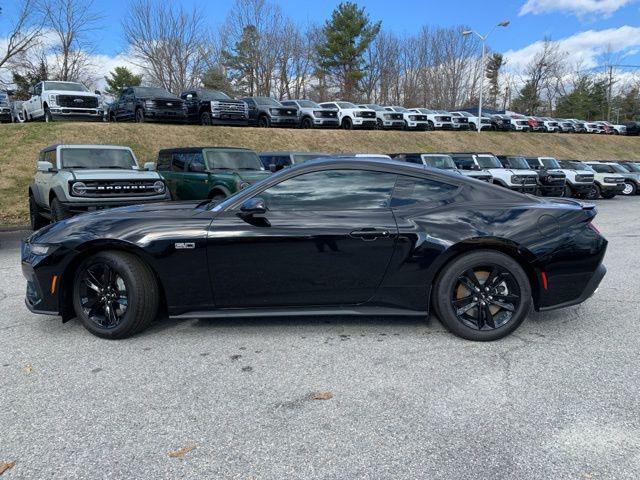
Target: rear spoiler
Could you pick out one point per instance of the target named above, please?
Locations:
(577, 203)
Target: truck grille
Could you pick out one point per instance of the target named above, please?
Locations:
(77, 101)
(325, 113)
(443, 118)
(584, 178)
(366, 114)
(126, 188)
(168, 104)
(396, 116)
(231, 108)
(418, 118)
(460, 120)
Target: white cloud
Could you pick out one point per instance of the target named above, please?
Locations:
(580, 8)
(585, 47)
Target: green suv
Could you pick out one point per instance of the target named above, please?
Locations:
(198, 173)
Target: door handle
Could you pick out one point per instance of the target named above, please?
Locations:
(369, 234)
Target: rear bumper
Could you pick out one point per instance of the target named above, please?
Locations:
(588, 291)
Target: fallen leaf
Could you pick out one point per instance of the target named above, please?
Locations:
(4, 466)
(181, 452)
(28, 368)
(322, 396)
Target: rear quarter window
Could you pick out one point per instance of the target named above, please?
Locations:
(411, 191)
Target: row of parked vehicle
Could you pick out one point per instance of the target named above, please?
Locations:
(72, 179)
(56, 100)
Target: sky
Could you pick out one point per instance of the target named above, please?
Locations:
(584, 28)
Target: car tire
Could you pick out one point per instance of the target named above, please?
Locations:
(264, 122)
(36, 219)
(125, 277)
(629, 189)
(139, 116)
(306, 123)
(568, 193)
(112, 118)
(430, 126)
(58, 211)
(347, 124)
(509, 287)
(48, 118)
(217, 196)
(205, 118)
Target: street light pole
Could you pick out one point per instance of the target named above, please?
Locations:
(483, 38)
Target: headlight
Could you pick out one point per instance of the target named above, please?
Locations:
(158, 187)
(274, 111)
(53, 100)
(79, 188)
(243, 184)
(41, 249)
(387, 116)
(148, 103)
(516, 179)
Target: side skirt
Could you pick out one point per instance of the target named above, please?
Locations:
(301, 312)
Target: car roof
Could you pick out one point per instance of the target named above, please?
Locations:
(292, 152)
(82, 145)
(198, 149)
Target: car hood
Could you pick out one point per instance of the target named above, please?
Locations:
(513, 171)
(114, 174)
(253, 176)
(70, 92)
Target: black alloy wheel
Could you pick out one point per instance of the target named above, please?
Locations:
(482, 295)
(205, 118)
(115, 294)
(103, 295)
(593, 193)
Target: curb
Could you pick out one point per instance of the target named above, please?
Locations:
(15, 228)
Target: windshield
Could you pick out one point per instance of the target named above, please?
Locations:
(400, 109)
(213, 95)
(442, 112)
(97, 158)
(346, 105)
(550, 163)
(232, 160)
(267, 101)
(518, 163)
(152, 92)
(618, 168)
(631, 167)
(582, 166)
(65, 86)
(308, 104)
(375, 107)
(439, 161)
(426, 111)
(466, 114)
(488, 161)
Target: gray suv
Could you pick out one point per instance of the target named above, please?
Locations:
(72, 179)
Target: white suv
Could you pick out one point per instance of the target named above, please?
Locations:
(351, 116)
(515, 175)
(313, 115)
(62, 100)
(386, 120)
(608, 182)
(473, 121)
(437, 119)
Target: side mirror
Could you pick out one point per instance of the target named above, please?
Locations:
(273, 167)
(45, 166)
(97, 92)
(189, 97)
(151, 166)
(253, 206)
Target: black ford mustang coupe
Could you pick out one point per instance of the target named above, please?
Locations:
(336, 236)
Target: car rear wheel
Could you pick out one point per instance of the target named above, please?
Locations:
(35, 215)
(629, 189)
(115, 295)
(482, 295)
(307, 123)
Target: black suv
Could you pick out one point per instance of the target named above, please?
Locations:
(269, 112)
(551, 179)
(212, 107)
(145, 104)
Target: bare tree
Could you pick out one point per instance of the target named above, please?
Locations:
(23, 34)
(171, 44)
(71, 23)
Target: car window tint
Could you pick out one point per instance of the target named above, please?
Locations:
(164, 161)
(533, 162)
(601, 168)
(331, 190)
(178, 162)
(196, 162)
(464, 162)
(411, 191)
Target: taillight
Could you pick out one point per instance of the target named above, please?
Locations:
(593, 227)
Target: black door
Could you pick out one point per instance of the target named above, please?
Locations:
(326, 239)
(192, 102)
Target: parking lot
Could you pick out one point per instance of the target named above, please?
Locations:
(336, 398)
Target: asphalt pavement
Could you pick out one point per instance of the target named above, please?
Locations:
(330, 398)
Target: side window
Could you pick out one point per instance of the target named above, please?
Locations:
(289, 104)
(533, 163)
(196, 162)
(164, 161)
(413, 159)
(38, 89)
(601, 168)
(331, 190)
(411, 191)
(464, 163)
(178, 162)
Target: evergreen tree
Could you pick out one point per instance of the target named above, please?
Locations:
(216, 79)
(120, 78)
(25, 82)
(347, 34)
(242, 62)
(587, 100)
(528, 101)
(492, 70)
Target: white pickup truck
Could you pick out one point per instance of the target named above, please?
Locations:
(62, 101)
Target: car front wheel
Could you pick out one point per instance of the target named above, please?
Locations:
(115, 294)
(35, 215)
(482, 295)
(629, 189)
(58, 211)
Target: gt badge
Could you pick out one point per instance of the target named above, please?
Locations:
(185, 245)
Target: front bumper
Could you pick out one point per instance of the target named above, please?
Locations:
(362, 123)
(607, 188)
(94, 204)
(326, 122)
(285, 121)
(580, 187)
(553, 190)
(165, 115)
(444, 125)
(228, 120)
(392, 124)
(528, 188)
(5, 115)
(41, 296)
(63, 113)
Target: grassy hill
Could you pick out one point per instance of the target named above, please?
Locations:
(20, 144)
